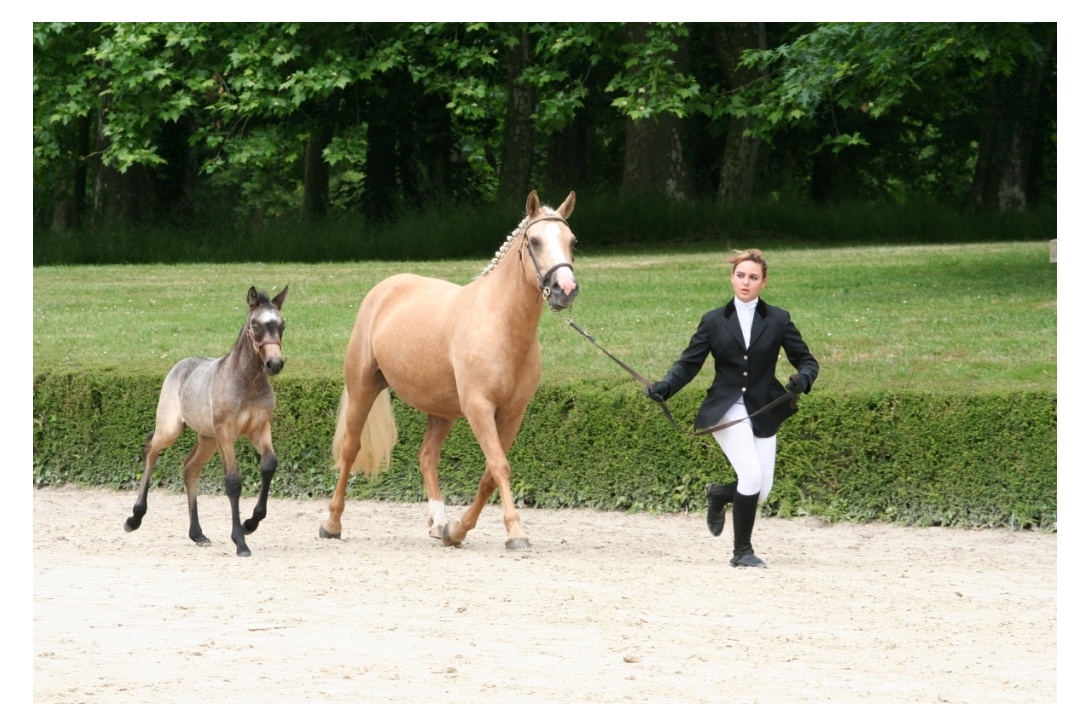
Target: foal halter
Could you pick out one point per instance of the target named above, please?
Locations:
(542, 277)
(258, 345)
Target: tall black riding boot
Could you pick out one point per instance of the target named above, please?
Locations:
(719, 496)
(745, 514)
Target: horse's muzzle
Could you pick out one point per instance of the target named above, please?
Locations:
(558, 299)
(272, 359)
(561, 287)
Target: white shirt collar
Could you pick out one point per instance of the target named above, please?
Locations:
(749, 307)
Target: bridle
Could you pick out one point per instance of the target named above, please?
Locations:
(258, 345)
(542, 277)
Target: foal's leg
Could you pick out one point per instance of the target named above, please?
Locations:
(434, 436)
(263, 442)
(157, 441)
(194, 464)
(234, 492)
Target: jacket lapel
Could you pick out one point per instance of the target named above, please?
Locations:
(759, 315)
(733, 325)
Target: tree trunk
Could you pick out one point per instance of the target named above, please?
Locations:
(653, 158)
(316, 174)
(1007, 148)
(518, 156)
(738, 170)
(118, 198)
(380, 182)
(568, 158)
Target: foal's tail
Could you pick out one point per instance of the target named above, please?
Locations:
(377, 438)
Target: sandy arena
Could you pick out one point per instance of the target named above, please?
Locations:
(606, 608)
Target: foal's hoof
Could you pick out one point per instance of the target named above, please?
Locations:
(130, 525)
(243, 552)
(323, 533)
(518, 544)
(250, 526)
(202, 541)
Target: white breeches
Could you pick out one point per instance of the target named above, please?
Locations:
(753, 458)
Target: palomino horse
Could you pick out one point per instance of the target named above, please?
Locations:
(222, 399)
(454, 351)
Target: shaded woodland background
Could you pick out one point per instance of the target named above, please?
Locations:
(235, 130)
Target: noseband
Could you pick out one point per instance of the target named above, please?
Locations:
(542, 277)
(258, 345)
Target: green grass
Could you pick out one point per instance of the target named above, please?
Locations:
(957, 318)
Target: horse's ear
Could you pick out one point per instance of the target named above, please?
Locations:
(569, 204)
(251, 297)
(533, 204)
(278, 301)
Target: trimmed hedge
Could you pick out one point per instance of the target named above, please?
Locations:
(973, 460)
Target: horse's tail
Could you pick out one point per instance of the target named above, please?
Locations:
(377, 438)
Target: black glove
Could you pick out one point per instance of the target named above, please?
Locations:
(795, 385)
(659, 391)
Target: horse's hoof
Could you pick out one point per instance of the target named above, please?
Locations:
(448, 535)
(251, 526)
(518, 544)
(244, 553)
(436, 532)
(204, 542)
(130, 525)
(323, 533)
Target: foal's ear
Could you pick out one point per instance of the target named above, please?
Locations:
(569, 204)
(278, 301)
(251, 297)
(533, 204)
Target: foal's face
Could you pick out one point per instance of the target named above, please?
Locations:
(267, 330)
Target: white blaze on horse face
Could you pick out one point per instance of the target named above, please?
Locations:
(565, 278)
(266, 317)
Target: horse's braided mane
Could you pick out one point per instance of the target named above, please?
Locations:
(509, 242)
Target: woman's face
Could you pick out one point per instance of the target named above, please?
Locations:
(748, 280)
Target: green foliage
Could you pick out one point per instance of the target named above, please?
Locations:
(650, 83)
(906, 423)
(239, 102)
(976, 461)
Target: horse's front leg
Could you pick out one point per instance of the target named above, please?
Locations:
(194, 464)
(434, 436)
(495, 439)
(233, 484)
(263, 443)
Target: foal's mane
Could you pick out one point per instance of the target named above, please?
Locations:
(510, 241)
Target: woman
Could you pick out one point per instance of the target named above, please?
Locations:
(744, 337)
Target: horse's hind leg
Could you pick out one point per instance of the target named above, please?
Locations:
(357, 405)
(263, 442)
(194, 464)
(157, 441)
(434, 436)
